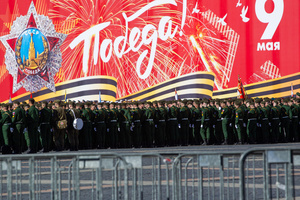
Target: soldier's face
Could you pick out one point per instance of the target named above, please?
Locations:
(99, 107)
(43, 105)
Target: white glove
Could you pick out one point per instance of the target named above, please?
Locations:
(230, 124)
(257, 124)
(193, 125)
(119, 129)
(236, 126)
(51, 130)
(244, 124)
(131, 128)
(39, 129)
(220, 108)
(11, 130)
(214, 126)
(132, 124)
(107, 130)
(25, 130)
(190, 125)
(279, 123)
(270, 124)
(95, 129)
(201, 126)
(155, 125)
(179, 126)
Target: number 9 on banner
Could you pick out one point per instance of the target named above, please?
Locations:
(272, 19)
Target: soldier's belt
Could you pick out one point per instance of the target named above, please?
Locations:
(276, 118)
(149, 120)
(172, 119)
(206, 119)
(241, 119)
(198, 120)
(219, 120)
(251, 119)
(224, 118)
(285, 117)
(45, 123)
(137, 121)
(125, 122)
(113, 120)
(265, 119)
(8, 124)
(19, 122)
(162, 120)
(101, 122)
(295, 117)
(185, 119)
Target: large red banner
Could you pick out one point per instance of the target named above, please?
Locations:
(142, 43)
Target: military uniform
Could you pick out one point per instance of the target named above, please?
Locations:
(136, 117)
(125, 123)
(6, 125)
(112, 128)
(59, 134)
(148, 126)
(100, 124)
(18, 116)
(265, 123)
(205, 125)
(45, 127)
(172, 126)
(252, 125)
(239, 120)
(184, 121)
(275, 113)
(73, 134)
(33, 119)
(225, 117)
(196, 118)
(161, 117)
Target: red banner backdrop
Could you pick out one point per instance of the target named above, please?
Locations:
(142, 43)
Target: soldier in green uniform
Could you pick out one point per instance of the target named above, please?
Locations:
(45, 126)
(239, 119)
(252, 124)
(148, 125)
(18, 116)
(86, 115)
(59, 134)
(265, 121)
(205, 123)
(172, 125)
(196, 116)
(184, 120)
(112, 126)
(295, 121)
(125, 123)
(73, 134)
(286, 118)
(100, 121)
(33, 122)
(161, 117)
(225, 117)
(5, 122)
(275, 114)
(136, 116)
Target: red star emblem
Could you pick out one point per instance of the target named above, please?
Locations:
(44, 74)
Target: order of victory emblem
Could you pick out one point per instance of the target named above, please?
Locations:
(33, 55)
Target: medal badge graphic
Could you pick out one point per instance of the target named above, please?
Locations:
(33, 55)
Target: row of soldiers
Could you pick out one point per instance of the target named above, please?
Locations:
(34, 126)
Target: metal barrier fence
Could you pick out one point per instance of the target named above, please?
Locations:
(255, 174)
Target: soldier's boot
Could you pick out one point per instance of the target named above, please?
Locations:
(225, 142)
(204, 142)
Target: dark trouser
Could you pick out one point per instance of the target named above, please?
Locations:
(73, 139)
(295, 129)
(239, 131)
(225, 128)
(197, 132)
(46, 136)
(275, 130)
(184, 134)
(33, 136)
(112, 135)
(18, 138)
(265, 128)
(87, 131)
(125, 134)
(173, 132)
(100, 135)
(6, 135)
(161, 133)
(59, 139)
(251, 130)
(285, 130)
(137, 134)
(218, 131)
(148, 136)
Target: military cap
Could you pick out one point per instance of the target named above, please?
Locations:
(16, 102)
(87, 103)
(298, 94)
